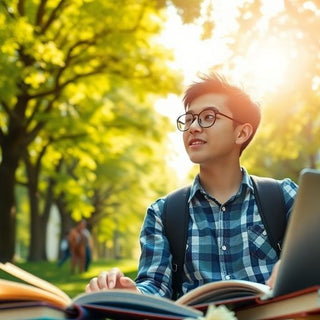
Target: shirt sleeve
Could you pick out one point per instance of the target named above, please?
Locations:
(289, 189)
(154, 272)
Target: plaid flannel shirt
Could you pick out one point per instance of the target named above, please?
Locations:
(225, 241)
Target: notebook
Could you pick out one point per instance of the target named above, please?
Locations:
(300, 256)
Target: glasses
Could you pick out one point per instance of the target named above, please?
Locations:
(206, 119)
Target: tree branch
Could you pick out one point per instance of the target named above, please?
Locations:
(20, 7)
(6, 108)
(53, 16)
(40, 12)
(59, 87)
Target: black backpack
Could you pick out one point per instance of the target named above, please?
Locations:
(270, 201)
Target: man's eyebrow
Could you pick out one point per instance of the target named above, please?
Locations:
(213, 108)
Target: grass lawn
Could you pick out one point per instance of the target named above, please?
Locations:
(73, 284)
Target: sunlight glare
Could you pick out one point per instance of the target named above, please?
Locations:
(265, 66)
(263, 69)
(270, 7)
(178, 159)
(192, 56)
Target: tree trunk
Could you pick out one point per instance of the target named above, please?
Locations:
(8, 167)
(38, 227)
(38, 221)
(13, 145)
(7, 211)
(66, 220)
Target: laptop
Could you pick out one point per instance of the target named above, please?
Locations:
(300, 256)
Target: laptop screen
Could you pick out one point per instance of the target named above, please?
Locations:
(300, 256)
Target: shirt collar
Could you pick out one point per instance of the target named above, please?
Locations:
(245, 183)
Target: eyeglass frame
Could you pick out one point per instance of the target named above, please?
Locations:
(197, 116)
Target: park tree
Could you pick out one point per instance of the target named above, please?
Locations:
(126, 169)
(56, 57)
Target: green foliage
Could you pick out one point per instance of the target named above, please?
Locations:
(78, 81)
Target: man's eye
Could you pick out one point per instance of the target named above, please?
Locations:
(209, 117)
(188, 120)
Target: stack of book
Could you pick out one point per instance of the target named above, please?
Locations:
(38, 299)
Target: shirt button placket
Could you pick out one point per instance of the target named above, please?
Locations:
(224, 247)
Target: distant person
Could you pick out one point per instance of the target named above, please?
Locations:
(64, 250)
(226, 237)
(77, 245)
(88, 245)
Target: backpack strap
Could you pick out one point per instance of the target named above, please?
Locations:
(175, 221)
(271, 205)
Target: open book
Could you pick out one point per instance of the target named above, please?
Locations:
(116, 304)
(223, 291)
(251, 301)
(41, 300)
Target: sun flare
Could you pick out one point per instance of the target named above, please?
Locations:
(262, 69)
(265, 66)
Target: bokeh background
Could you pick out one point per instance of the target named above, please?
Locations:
(89, 93)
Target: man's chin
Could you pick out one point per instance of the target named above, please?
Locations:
(195, 159)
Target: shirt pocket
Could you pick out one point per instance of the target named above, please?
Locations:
(259, 244)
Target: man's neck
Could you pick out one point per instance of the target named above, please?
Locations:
(221, 182)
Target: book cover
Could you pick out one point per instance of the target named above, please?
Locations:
(30, 310)
(298, 304)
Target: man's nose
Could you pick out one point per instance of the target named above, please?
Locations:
(195, 123)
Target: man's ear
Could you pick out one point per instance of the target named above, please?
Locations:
(243, 132)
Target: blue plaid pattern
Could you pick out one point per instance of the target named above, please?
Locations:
(227, 241)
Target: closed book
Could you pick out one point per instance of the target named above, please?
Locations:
(297, 304)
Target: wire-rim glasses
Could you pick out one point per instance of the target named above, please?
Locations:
(206, 119)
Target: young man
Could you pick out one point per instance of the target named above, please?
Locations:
(226, 236)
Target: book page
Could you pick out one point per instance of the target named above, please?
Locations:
(32, 279)
(11, 290)
(220, 290)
